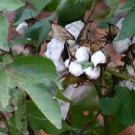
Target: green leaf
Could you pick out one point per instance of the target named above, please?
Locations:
(52, 5)
(10, 5)
(44, 101)
(113, 5)
(5, 82)
(24, 14)
(108, 105)
(128, 5)
(70, 10)
(35, 75)
(18, 121)
(122, 105)
(3, 33)
(35, 69)
(115, 125)
(41, 28)
(20, 41)
(40, 4)
(6, 59)
(128, 27)
(38, 121)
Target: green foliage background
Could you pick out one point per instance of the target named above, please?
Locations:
(32, 76)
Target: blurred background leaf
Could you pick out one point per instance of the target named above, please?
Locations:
(3, 33)
(10, 5)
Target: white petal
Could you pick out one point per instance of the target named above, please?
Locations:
(82, 54)
(122, 45)
(22, 28)
(93, 73)
(98, 58)
(75, 28)
(75, 68)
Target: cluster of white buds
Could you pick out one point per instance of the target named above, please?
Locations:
(84, 62)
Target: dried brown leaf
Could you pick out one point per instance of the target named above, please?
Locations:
(113, 55)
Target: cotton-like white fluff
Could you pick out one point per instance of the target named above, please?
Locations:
(128, 84)
(75, 68)
(75, 28)
(98, 58)
(54, 51)
(122, 45)
(22, 28)
(67, 63)
(92, 73)
(82, 55)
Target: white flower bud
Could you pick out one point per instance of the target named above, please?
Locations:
(92, 73)
(98, 58)
(75, 68)
(82, 54)
(75, 28)
(122, 45)
(22, 28)
(67, 61)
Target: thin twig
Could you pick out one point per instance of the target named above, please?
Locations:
(121, 75)
(88, 123)
(99, 84)
(91, 11)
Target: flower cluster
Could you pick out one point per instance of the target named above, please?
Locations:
(84, 62)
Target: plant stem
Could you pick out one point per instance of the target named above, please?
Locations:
(88, 123)
(106, 125)
(121, 75)
(91, 11)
